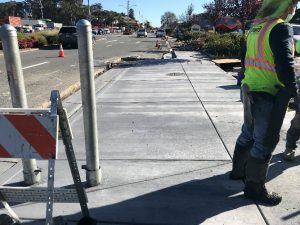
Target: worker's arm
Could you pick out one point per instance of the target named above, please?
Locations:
(281, 41)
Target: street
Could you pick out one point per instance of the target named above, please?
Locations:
(44, 71)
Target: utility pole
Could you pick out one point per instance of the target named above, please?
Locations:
(128, 10)
(128, 6)
(41, 6)
(89, 13)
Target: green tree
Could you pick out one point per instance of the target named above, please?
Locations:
(244, 10)
(169, 20)
(70, 11)
(148, 25)
(131, 14)
(187, 17)
(12, 8)
(215, 10)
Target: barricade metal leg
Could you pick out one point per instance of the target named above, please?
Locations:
(50, 192)
(67, 136)
(10, 211)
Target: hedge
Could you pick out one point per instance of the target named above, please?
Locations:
(36, 40)
(216, 44)
(223, 45)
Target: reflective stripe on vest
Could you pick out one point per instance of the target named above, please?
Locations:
(260, 62)
(261, 38)
(260, 65)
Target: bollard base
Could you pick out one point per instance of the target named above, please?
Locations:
(93, 177)
(32, 178)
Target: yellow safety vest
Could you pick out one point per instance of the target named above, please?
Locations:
(260, 73)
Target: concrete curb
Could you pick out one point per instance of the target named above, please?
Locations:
(23, 51)
(72, 89)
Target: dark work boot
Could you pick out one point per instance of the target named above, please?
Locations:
(256, 173)
(239, 161)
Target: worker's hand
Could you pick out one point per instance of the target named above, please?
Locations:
(293, 104)
(291, 90)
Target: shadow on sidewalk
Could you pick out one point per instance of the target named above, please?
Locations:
(189, 203)
(278, 165)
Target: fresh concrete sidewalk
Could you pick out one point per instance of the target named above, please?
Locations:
(167, 130)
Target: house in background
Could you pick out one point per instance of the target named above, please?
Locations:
(228, 24)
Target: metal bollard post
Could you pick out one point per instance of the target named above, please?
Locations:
(86, 66)
(17, 89)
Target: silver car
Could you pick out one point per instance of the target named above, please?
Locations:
(142, 33)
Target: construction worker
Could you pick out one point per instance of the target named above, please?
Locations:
(292, 136)
(268, 85)
(293, 133)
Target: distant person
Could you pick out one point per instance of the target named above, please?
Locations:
(93, 38)
(267, 88)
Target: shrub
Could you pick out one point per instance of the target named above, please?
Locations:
(223, 45)
(52, 39)
(51, 36)
(26, 43)
(36, 40)
(39, 39)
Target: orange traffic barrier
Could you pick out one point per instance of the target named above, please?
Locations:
(158, 44)
(61, 51)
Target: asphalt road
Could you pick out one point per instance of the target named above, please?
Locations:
(44, 71)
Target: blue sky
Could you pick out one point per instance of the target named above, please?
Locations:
(150, 10)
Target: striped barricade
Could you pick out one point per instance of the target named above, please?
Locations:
(33, 133)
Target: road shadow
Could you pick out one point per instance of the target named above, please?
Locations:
(49, 47)
(55, 47)
(148, 62)
(150, 51)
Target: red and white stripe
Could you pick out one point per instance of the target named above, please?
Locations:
(28, 136)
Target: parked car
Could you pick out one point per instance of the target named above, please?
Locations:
(38, 27)
(67, 36)
(142, 33)
(127, 32)
(160, 33)
(26, 29)
(94, 31)
(106, 31)
(100, 31)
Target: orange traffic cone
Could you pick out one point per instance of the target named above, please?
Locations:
(61, 51)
